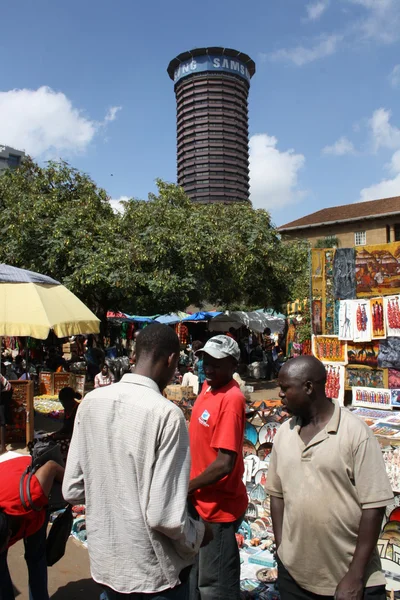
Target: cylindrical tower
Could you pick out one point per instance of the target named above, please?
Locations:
(211, 88)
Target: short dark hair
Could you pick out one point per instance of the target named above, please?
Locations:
(197, 345)
(68, 393)
(157, 340)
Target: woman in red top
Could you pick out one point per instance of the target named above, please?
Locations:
(17, 523)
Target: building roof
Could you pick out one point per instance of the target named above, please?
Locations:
(358, 211)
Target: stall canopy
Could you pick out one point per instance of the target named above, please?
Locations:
(172, 318)
(255, 320)
(202, 316)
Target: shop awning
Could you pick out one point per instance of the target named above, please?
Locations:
(202, 316)
(254, 320)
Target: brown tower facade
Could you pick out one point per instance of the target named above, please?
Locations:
(211, 88)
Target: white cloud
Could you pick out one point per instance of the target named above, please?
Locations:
(117, 204)
(384, 135)
(112, 113)
(325, 45)
(341, 147)
(386, 188)
(394, 76)
(273, 174)
(381, 21)
(44, 122)
(378, 21)
(315, 10)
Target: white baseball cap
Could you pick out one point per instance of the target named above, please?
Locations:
(221, 346)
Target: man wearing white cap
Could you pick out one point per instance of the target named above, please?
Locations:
(216, 487)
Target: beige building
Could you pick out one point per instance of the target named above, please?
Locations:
(358, 224)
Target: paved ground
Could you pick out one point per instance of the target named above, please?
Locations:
(70, 578)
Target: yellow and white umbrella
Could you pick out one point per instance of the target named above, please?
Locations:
(31, 305)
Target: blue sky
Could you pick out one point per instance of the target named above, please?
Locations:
(87, 81)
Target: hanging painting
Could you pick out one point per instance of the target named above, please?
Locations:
(394, 379)
(365, 377)
(334, 387)
(317, 317)
(318, 272)
(378, 327)
(328, 315)
(372, 398)
(361, 321)
(378, 270)
(365, 354)
(392, 316)
(329, 348)
(346, 320)
(395, 398)
(344, 274)
(389, 353)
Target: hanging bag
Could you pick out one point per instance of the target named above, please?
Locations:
(58, 536)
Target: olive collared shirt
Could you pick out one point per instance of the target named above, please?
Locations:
(325, 486)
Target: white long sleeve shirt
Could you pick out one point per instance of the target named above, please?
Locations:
(129, 461)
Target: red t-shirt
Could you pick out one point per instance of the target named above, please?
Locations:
(217, 423)
(10, 502)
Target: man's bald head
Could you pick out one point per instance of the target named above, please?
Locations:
(302, 382)
(305, 368)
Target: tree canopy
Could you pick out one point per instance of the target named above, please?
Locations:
(158, 255)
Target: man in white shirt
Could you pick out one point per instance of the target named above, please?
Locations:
(104, 378)
(129, 461)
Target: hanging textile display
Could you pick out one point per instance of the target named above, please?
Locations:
(394, 378)
(365, 354)
(329, 318)
(334, 387)
(317, 317)
(344, 278)
(378, 327)
(336, 321)
(318, 272)
(345, 320)
(377, 270)
(392, 315)
(361, 321)
(329, 348)
(389, 352)
(372, 398)
(365, 377)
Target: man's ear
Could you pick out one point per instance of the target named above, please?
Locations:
(172, 358)
(309, 387)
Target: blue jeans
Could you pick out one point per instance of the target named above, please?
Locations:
(179, 592)
(35, 557)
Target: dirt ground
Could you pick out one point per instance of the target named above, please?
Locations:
(70, 578)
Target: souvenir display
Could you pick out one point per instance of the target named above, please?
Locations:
(318, 272)
(345, 320)
(394, 378)
(261, 477)
(371, 413)
(372, 397)
(377, 270)
(363, 353)
(46, 383)
(391, 456)
(250, 433)
(344, 277)
(268, 432)
(365, 377)
(394, 418)
(389, 352)
(385, 429)
(330, 349)
(317, 317)
(377, 318)
(328, 316)
(334, 387)
(392, 315)
(361, 321)
(248, 448)
(395, 394)
(264, 451)
(21, 428)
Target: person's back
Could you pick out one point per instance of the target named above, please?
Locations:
(130, 452)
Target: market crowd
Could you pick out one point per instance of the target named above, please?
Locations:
(164, 502)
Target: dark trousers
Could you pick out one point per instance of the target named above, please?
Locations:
(290, 590)
(35, 557)
(216, 572)
(179, 592)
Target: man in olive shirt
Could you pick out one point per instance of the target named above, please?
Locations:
(329, 489)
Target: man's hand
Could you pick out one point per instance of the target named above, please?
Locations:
(208, 535)
(350, 588)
